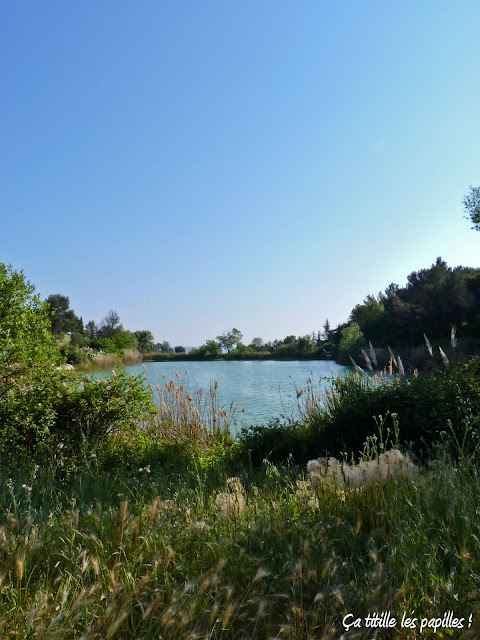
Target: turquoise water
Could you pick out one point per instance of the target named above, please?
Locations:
(264, 389)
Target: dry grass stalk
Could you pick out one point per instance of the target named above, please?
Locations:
(312, 399)
(394, 360)
(192, 414)
(231, 503)
(132, 356)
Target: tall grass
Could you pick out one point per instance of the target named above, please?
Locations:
(263, 555)
(102, 361)
(191, 413)
(189, 427)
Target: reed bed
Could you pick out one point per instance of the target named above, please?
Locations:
(191, 414)
(132, 356)
(102, 361)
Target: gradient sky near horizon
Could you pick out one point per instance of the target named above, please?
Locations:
(199, 166)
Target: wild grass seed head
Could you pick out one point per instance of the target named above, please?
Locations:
(389, 465)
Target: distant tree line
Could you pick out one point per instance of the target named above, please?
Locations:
(230, 345)
(77, 340)
(435, 301)
(432, 302)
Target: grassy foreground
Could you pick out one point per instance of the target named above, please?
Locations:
(268, 554)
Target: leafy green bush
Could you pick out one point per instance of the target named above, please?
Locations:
(26, 416)
(29, 378)
(97, 408)
(351, 341)
(277, 442)
(45, 414)
(64, 419)
(435, 402)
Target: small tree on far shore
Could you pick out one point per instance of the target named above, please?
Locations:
(144, 340)
(164, 347)
(213, 348)
(230, 339)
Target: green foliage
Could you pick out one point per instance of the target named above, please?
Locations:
(144, 340)
(305, 344)
(428, 407)
(64, 419)
(243, 350)
(433, 300)
(164, 347)
(72, 348)
(28, 360)
(27, 415)
(351, 341)
(471, 203)
(212, 348)
(230, 339)
(110, 325)
(257, 343)
(117, 343)
(150, 554)
(41, 407)
(27, 347)
(130, 450)
(277, 442)
(111, 337)
(62, 318)
(99, 407)
(91, 329)
(327, 331)
(368, 315)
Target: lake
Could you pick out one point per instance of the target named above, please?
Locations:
(265, 389)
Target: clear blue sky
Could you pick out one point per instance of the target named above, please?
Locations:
(199, 166)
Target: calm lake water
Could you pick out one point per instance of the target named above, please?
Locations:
(264, 388)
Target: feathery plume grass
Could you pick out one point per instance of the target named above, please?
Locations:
(391, 464)
(429, 346)
(444, 357)
(367, 360)
(192, 415)
(357, 367)
(373, 355)
(453, 337)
